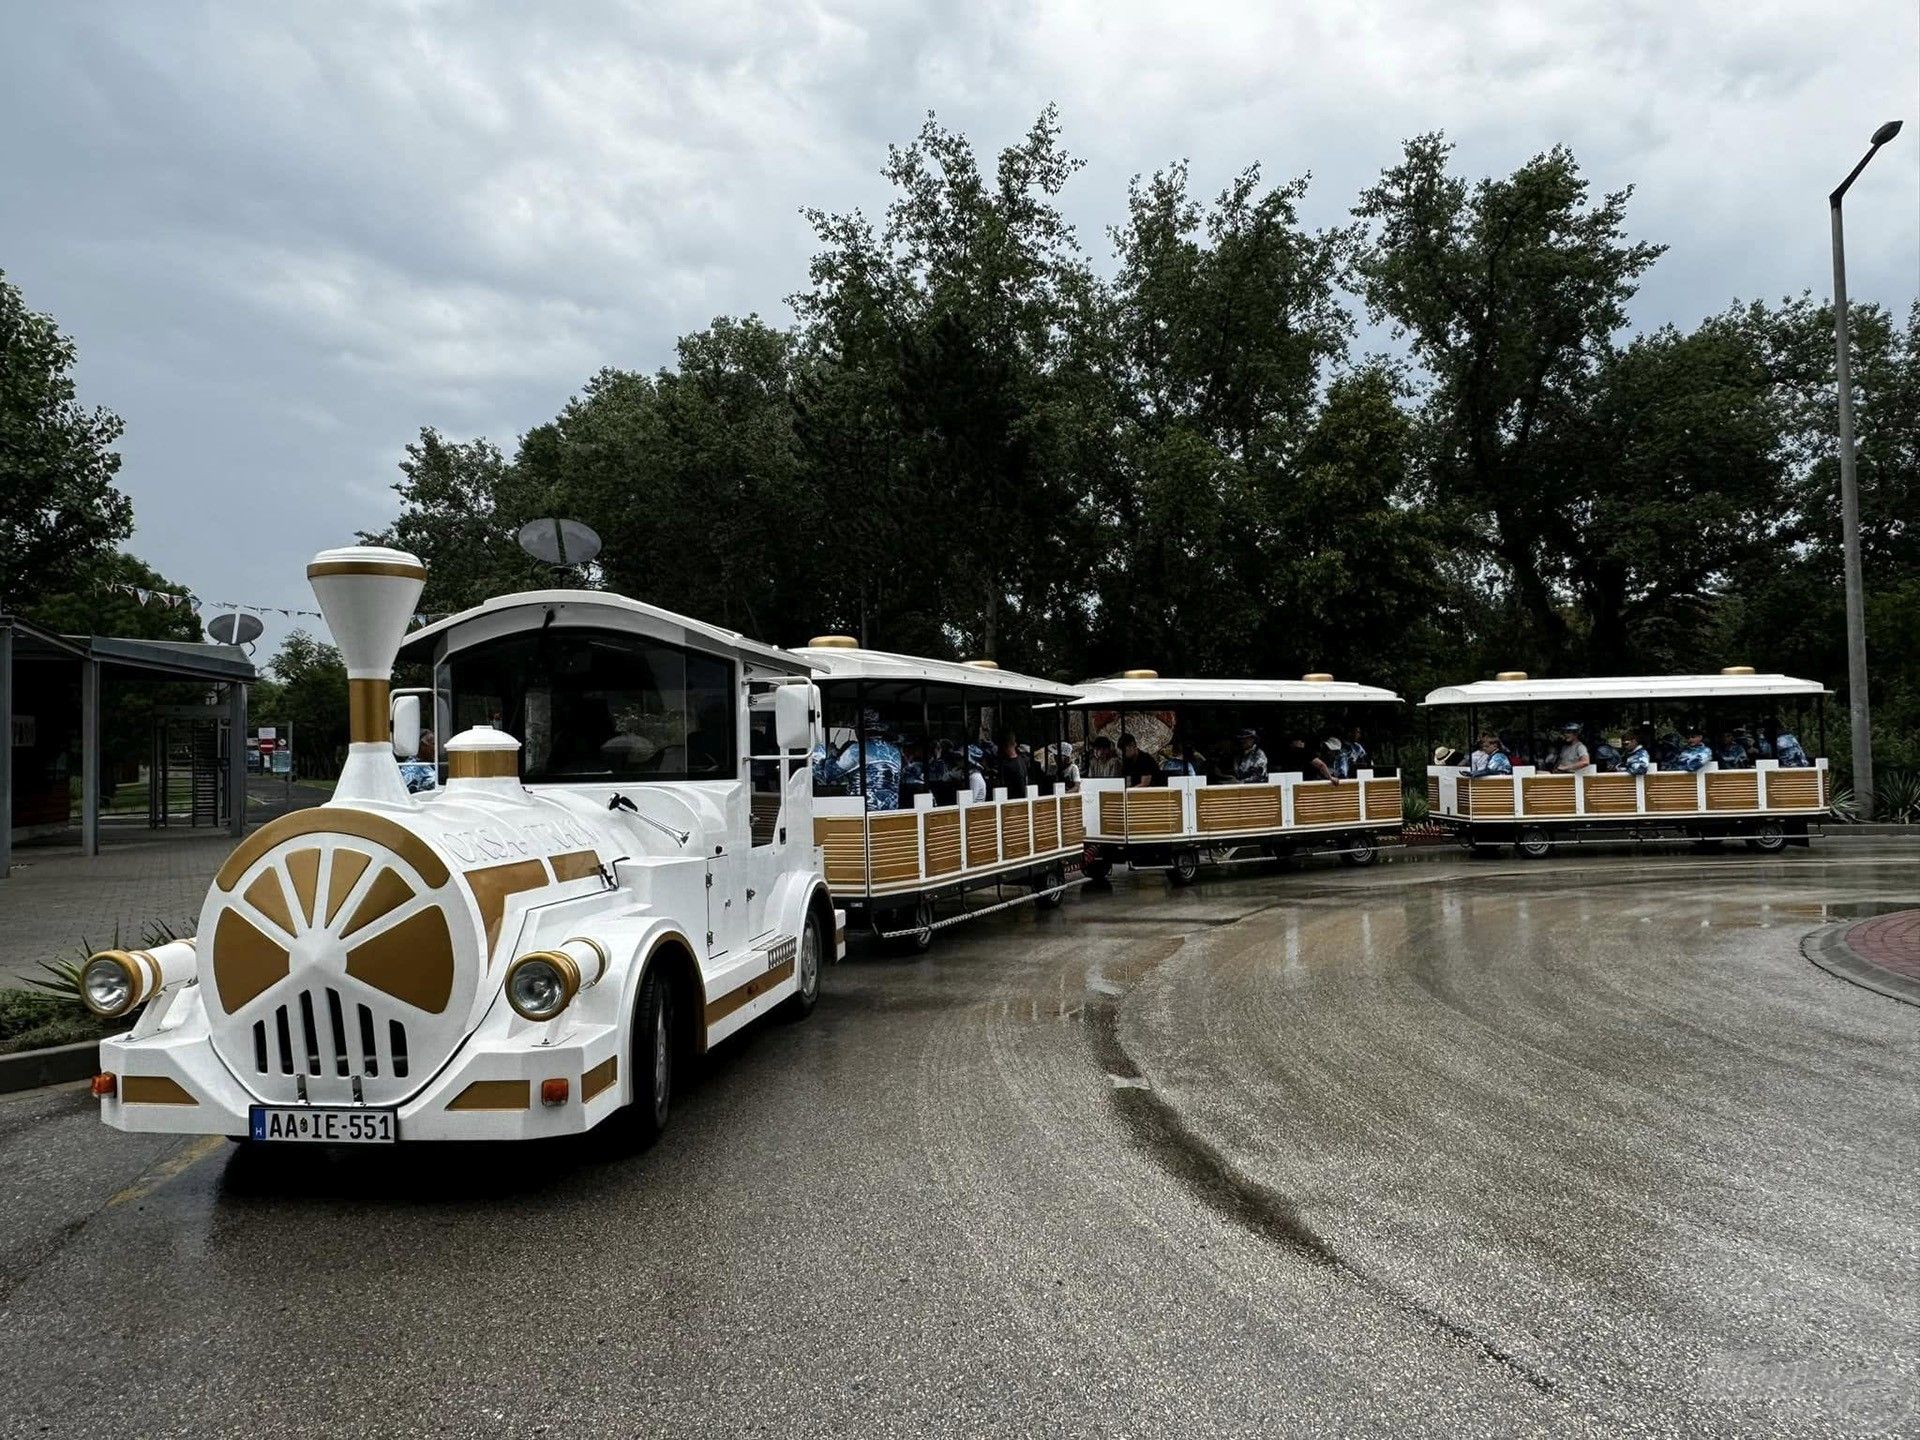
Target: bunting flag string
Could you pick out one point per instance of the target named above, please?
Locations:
(171, 600)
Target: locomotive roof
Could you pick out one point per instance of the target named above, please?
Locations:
(1622, 687)
(1126, 694)
(847, 663)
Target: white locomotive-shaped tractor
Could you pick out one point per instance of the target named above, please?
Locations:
(618, 871)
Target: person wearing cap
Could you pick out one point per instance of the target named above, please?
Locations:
(1572, 757)
(1103, 761)
(1066, 774)
(871, 765)
(1250, 765)
(1489, 758)
(1319, 763)
(1637, 761)
(1695, 754)
(1606, 755)
(977, 773)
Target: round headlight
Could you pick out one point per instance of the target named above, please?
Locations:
(107, 986)
(541, 985)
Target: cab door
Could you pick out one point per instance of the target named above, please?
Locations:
(769, 813)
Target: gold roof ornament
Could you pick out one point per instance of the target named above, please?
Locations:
(982, 664)
(1511, 675)
(833, 642)
(1736, 670)
(1317, 677)
(1139, 674)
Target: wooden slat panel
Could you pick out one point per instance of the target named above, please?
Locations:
(983, 833)
(844, 839)
(1073, 822)
(1733, 790)
(1228, 808)
(1384, 799)
(1015, 839)
(1324, 802)
(893, 846)
(1487, 797)
(1793, 790)
(943, 842)
(1547, 794)
(1673, 794)
(1113, 811)
(1153, 812)
(1612, 795)
(1046, 824)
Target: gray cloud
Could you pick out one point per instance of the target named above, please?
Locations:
(286, 240)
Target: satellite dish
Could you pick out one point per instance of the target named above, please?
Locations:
(559, 542)
(235, 628)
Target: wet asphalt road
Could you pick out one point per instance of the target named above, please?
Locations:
(1442, 1148)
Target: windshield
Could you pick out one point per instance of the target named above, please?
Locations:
(598, 705)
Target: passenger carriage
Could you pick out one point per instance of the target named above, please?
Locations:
(905, 861)
(1762, 801)
(1183, 821)
(617, 870)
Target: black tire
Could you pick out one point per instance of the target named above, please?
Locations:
(809, 959)
(919, 938)
(1533, 843)
(1051, 878)
(652, 1053)
(1362, 849)
(1097, 869)
(1769, 837)
(1186, 867)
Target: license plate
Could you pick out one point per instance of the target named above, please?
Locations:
(324, 1127)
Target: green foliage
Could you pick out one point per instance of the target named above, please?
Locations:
(89, 605)
(1896, 797)
(308, 691)
(59, 510)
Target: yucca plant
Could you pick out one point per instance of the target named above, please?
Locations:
(1897, 797)
(1840, 802)
(62, 977)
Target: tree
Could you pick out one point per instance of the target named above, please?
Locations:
(97, 605)
(59, 509)
(309, 692)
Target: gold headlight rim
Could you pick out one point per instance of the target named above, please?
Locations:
(129, 966)
(569, 979)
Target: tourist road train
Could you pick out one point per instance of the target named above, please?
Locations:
(649, 832)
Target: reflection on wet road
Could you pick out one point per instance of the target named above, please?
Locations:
(1473, 1148)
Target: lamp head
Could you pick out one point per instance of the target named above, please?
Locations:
(1886, 132)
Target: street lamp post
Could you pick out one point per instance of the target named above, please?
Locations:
(1850, 498)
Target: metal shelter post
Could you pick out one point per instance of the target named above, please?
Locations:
(89, 757)
(6, 750)
(236, 759)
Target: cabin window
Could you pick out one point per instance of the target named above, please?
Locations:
(769, 769)
(598, 705)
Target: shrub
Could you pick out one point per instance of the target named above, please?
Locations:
(1897, 797)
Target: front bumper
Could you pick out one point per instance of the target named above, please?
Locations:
(173, 1082)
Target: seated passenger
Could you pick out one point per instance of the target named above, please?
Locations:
(1012, 768)
(1571, 758)
(870, 766)
(1250, 765)
(1103, 761)
(1490, 758)
(1637, 761)
(913, 764)
(1310, 763)
(1606, 755)
(1695, 755)
(1136, 765)
(1731, 754)
(1353, 755)
(1786, 749)
(977, 773)
(1065, 773)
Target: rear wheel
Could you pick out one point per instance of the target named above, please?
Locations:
(1097, 868)
(1770, 838)
(1362, 848)
(1186, 867)
(806, 971)
(918, 938)
(1052, 878)
(1533, 843)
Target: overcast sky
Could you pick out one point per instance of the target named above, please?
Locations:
(286, 237)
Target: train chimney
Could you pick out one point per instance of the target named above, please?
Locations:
(368, 594)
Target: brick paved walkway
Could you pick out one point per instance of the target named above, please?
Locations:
(1889, 942)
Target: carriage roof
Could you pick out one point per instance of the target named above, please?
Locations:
(1124, 694)
(844, 663)
(1623, 687)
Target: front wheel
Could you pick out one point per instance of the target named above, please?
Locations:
(652, 1051)
(1533, 844)
(1770, 838)
(917, 938)
(1186, 867)
(1361, 849)
(806, 971)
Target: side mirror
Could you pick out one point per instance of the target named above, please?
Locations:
(793, 710)
(405, 714)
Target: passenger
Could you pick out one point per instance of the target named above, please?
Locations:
(977, 773)
(1731, 754)
(1490, 758)
(1136, 765)
(1353, 754)
(1786, 749)
(1695, 755)
(1179, 758)
(871, 766)
(1637, 761)
(1066, 774)
(1250, 765)
(1606, 755)
(913, 765)
(1328, 761)
(1103, 761)
(1012, 768)
(1572, 757)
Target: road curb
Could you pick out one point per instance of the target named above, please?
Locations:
(1828, 949)
(30, 1069)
